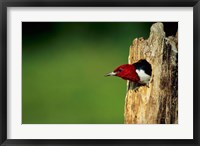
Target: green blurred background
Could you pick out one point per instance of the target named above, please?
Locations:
(63, 67)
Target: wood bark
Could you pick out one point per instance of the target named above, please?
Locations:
(158, 103)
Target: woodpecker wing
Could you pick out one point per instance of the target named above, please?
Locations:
(144, 70)
(143, 65)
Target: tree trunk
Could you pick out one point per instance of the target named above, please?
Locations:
(158, 103)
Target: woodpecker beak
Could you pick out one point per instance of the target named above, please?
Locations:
(110, 74)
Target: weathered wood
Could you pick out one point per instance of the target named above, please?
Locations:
(158, 103)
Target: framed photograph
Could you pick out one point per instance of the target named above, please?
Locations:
(99, 72)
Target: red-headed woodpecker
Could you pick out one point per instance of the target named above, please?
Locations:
(139, 72)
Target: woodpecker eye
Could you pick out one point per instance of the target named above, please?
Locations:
(120, 70)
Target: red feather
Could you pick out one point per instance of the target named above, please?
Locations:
(127, 72)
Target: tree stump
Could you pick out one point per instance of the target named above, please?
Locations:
(158, 103)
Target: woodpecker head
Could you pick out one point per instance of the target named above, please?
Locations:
(139, 72)
(126, 72)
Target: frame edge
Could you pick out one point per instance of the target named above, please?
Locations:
(196, 61)
(3, 73)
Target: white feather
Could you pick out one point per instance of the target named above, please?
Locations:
(144, 78)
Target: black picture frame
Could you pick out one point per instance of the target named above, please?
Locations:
(97, 3)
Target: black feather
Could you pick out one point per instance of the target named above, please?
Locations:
(144, 65)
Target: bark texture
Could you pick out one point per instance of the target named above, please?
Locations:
(158, 103)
